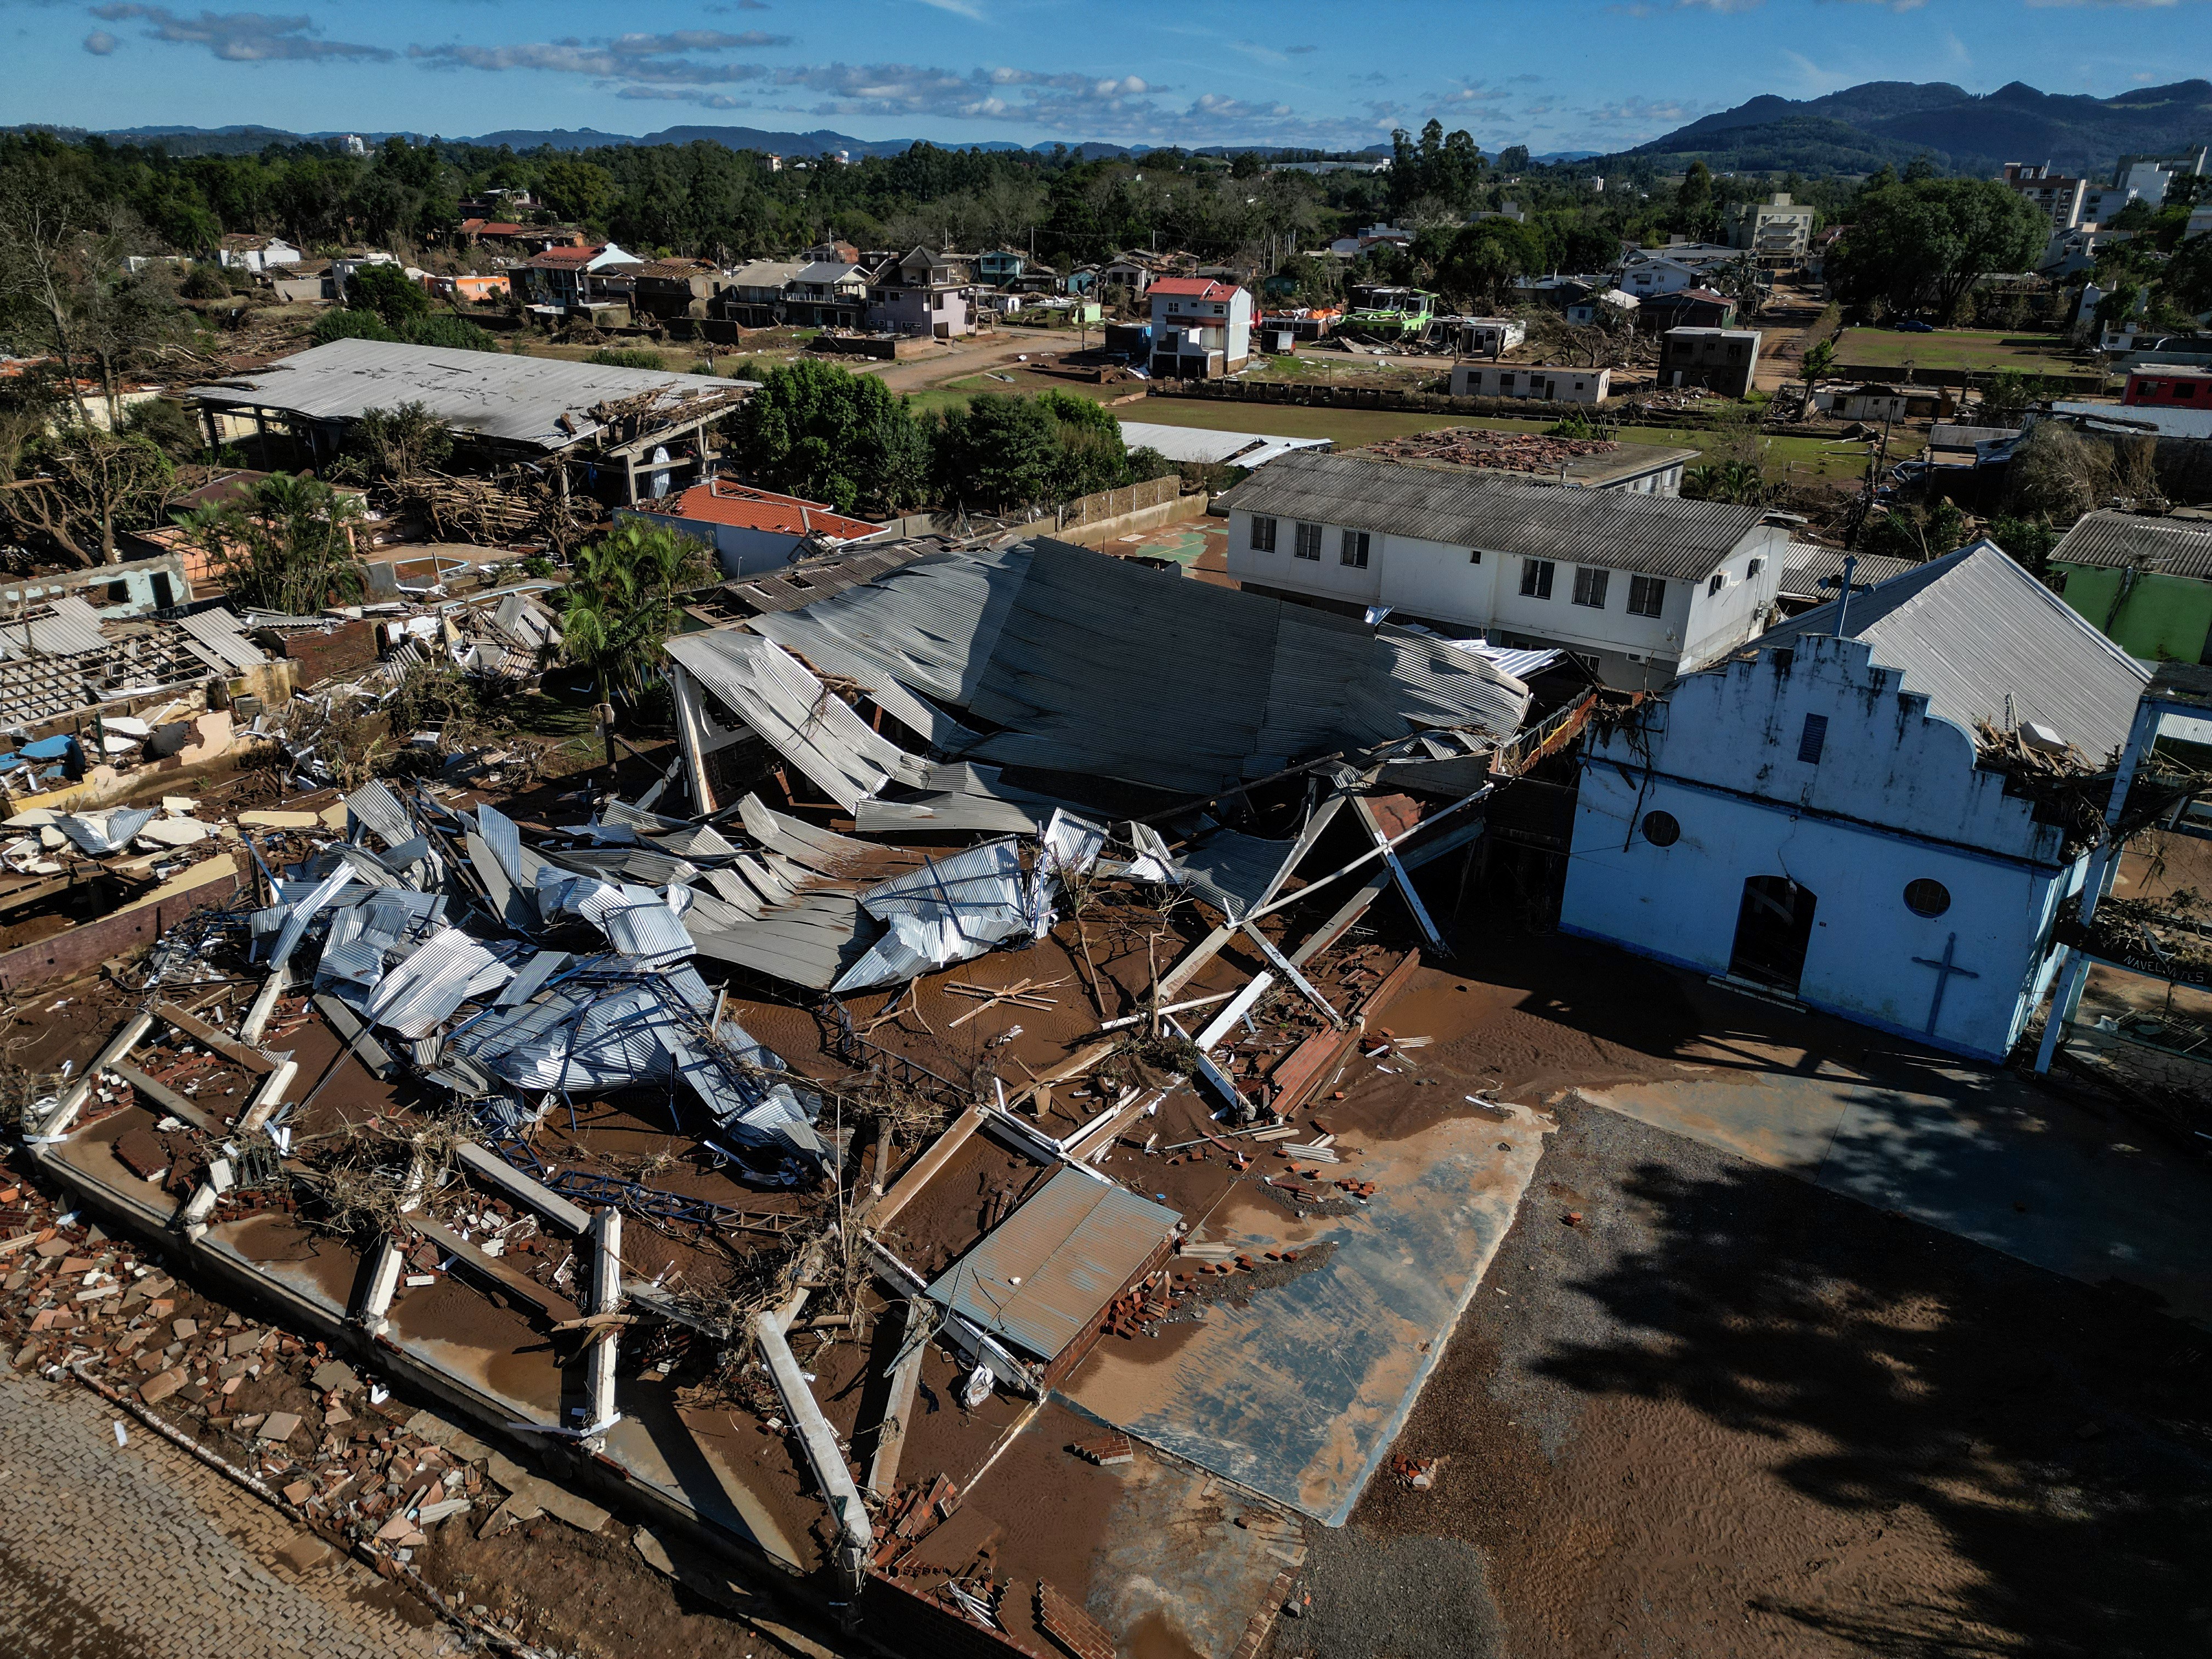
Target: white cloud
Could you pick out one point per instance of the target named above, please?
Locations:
(100, 43)
(670, 58)
(966, 9)
(239, 37)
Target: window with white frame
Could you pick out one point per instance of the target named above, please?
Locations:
(1647, 596)
(1353, 550)
(1719, 581)
(1590, 586)
(1263, 535)
(1536, 579)
(1308, 545)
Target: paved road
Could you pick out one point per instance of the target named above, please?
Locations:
(141, 1552)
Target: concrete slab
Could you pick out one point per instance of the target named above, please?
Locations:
(1298, 1395)
(1976, 1153)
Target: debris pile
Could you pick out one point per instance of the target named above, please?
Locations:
(1507, 452)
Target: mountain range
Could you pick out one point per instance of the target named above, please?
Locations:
(1862, 127)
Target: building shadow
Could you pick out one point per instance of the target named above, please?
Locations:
(2059, 1436)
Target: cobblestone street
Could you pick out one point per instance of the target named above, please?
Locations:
(141, 1552)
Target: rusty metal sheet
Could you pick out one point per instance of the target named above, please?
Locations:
(1050, 1268)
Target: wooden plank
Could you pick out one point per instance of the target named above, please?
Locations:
(230, 1047)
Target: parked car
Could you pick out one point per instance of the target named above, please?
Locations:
(1914, 325)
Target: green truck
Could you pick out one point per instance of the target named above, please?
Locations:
(1390, 314)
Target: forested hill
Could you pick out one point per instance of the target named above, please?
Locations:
(1861, 127)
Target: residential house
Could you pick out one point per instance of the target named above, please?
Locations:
(1689, 307)
(305, 282)
(1369, 236)
(1778, 232)
(755, 295)
(1200, 327)
(1814, 818)
(2146, 583)
(501, 202)
(1638, 587)
(2056, 196)
(2171, 387)
(675, 287)
(753, 529)
(1877, 401)
(1127, 271)
(242, 251)
(1678, 265)
(827, 294)
(1083, 280)
(1546, 382)
(831, 253)
(1720, 360)
(563, 277)
(1489, 336)
(1612, 305)
(1000, 266)
(923, 293)
(469, 288)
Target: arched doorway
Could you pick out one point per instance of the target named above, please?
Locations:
(1772, 928)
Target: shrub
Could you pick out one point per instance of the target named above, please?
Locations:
(625, 357)
(349, 326)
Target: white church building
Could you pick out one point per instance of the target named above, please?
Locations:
(1810, 818)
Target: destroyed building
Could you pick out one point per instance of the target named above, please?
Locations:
(932, 1092)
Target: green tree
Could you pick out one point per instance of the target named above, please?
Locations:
(288, 547)
(404, 442)
(1820, 364)
(1001, 451)
(1923, 243)
(350, 325)
(2188, 276)
(388, 291)
(77, 488)
(623, 600)
(2028, 540)
(815, 430)
(1484, 257)
(443, 329)
(578, 190)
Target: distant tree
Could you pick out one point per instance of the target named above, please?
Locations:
(626, 357)
(350, 325)
(1486, 257)
(622, 601)
(2187, 278)
(288, 547)
(388, 291)
(205, 281)
(577, 189)
(1922, 244)
(1820, 364)
(1514, 158)
(442, 328)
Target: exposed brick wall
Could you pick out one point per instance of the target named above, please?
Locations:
(85, 947)
(920, 1628)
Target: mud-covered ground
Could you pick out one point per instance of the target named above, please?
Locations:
(1721, 1412)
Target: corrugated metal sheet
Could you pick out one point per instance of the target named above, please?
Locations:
(653, 932)
(520, 400)
(1202, 444)
(1804, 568)
(430, 984)
(1235, 873)
(65, 627)
(1621, 530)
(795, 714)
(373, 806)
(811, 940)
(1973, 631)
(1049, 1269)
(2179, 547)
(217, 630)
(947, 911)
(109, 832)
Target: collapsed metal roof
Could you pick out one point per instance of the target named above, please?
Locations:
(1094, 667)
(541, 401)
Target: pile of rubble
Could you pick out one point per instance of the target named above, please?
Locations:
(1508, 451)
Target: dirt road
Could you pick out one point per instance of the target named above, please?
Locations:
(965, 357)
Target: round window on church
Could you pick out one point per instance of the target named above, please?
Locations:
(1661, 829)
(1924, 897)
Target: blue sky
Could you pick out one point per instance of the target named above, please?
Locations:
(1554, 74)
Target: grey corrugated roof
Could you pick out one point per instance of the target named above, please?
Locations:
(827, 272)
(1805, 568)
(1621, 530)
(1097, 666)
(1050, 1268)
(2166, 421)
(1974, 630)
(2178, 547)
(218, 631)
(519, 399)
(67, 627)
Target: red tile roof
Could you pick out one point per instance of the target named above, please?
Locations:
(1193, 288)
(568, 256)
(721, 503)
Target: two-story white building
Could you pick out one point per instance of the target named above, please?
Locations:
(1200, 326)
(1639, 586)
(1814, 818)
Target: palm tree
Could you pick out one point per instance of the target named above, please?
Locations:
(622, 604)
